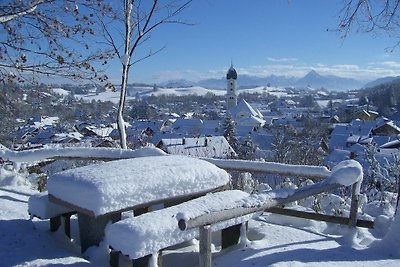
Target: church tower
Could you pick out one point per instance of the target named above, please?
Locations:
(231, 95)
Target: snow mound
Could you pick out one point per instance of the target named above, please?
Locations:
(150, 232)
(120, 184)
(346, 173)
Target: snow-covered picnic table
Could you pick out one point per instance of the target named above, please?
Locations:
(100, 193)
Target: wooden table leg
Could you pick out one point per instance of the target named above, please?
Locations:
(91, 229)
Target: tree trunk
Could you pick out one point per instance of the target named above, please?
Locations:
(125, 60)
(120, 119)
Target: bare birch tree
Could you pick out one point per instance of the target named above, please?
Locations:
(125, 34)
(40, 38)
(371, 16)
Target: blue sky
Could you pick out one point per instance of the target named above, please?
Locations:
(264, 37)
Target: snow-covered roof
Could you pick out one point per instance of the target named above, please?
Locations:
(210, 127)
(2, 147)
(243, 109)
(210, 147)
(41, 121)
(112, 186)
(363, 132)
(391, 144)
(144, 124)
(251, 121)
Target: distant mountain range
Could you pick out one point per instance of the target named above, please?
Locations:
(384, 80)
(311, 79)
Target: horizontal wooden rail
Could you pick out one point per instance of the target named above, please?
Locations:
(271, 167)
(242, 210)
(319, 217)
(88, 153)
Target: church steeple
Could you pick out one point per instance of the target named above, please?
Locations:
(231, 95)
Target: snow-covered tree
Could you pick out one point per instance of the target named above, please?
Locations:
(246, 149)
(228, 130)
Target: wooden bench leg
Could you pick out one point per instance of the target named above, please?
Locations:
(230, 236)
(141, 262)
(91, 229)
(67, 223)
(205, 246)
(55, 223)
(114, 258)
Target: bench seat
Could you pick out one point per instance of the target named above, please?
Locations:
(40, 207)
(145, 235)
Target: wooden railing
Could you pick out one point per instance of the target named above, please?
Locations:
(275, 198)
(316, 173)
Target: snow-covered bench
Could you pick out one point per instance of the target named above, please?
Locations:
(100, 193)
(40, 207)
(141, 238)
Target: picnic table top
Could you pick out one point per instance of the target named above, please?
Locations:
(126, 184)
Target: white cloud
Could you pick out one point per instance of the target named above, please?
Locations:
(297, 69)
(284, 59)
(391, 64)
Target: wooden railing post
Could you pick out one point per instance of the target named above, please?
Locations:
(354, 204)
(205, 246)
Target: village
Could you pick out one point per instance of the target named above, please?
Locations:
(300, 135)
(256, 124)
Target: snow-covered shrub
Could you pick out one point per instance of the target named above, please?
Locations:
(332, 204)
(246, 183)
(381, 179)
(11, 175)
(381, 175)
(263, 187)
(288, 184)
(311, 202)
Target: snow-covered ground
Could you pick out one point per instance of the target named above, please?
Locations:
(194, 90)
(274, 240)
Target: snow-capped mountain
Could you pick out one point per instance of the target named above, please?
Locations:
(311, 79)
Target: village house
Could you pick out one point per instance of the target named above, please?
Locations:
(379, 132)
(209, 147)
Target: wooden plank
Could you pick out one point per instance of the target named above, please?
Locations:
(212, 217)
(176, 199)
(319, 217)
(70, 206)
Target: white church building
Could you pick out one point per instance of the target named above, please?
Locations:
(243, 114)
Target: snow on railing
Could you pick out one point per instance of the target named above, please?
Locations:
(346, 173)
(35, 155)
(271, 167)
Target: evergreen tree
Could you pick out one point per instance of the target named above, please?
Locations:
(229, 128)
(247, 149)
